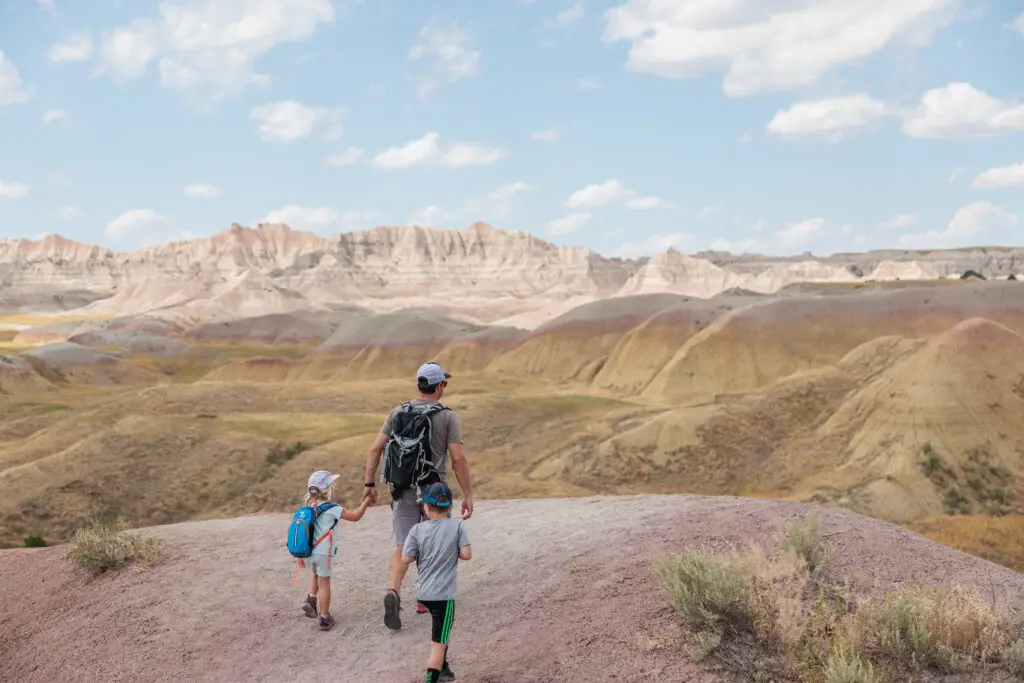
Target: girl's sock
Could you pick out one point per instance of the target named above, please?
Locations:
(432, 675)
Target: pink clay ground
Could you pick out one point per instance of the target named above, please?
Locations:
(558, 591)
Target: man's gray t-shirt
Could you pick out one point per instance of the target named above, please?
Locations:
(444, 429)
(435, 543)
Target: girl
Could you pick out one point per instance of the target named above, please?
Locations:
(318, 492)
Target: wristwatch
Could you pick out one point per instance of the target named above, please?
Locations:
(370, 484)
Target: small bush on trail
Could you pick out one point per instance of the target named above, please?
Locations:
(35, 542)
(805, 539)
(848, 667)
(99, 547)
(751, 610)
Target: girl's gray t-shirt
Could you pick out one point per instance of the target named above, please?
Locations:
(435, 544)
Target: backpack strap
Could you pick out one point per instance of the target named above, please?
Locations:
(329, 532)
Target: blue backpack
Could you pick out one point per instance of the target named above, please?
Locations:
(300, 532)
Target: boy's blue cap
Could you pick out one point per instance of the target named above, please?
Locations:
(438, 495)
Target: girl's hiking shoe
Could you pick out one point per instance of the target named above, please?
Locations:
(326, 622)
(392, 607)
(421, 608)
(309, 606)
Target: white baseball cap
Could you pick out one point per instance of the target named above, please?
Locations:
(320, 480)
(432, 372)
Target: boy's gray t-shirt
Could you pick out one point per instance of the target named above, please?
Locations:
(435, 543)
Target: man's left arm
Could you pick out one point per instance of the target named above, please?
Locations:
(460, 465)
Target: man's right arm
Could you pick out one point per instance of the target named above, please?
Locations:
(372, 462)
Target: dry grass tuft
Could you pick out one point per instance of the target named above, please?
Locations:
(754, 610)
(101, 547)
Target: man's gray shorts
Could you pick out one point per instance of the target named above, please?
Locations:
(406, 513)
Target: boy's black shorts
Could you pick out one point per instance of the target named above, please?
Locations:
(442, 612)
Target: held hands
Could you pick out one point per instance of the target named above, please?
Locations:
(370, 494)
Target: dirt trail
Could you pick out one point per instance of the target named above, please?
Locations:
(558, 590)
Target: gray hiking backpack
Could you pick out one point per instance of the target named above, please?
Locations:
(407, 461)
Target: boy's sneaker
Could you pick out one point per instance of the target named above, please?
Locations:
(446, 673)
(326, 622)
(392, 607)
(309, 606)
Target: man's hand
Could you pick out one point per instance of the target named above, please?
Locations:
(467, 507)
(370, 494)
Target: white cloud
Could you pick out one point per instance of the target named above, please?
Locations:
(429, 216)
(51, 115)
(570, 15)
(1000, 177)
(899, 222)
(426, 150)
(709, 210)
(447, 47)
(135, 221)
(200, 190)
(646, 203)
(959, 110)
(549, 135)
(12, 90)
(588, 84)
(288, 120)
(770, 45)
(353, 217)
(612, 192)
(415, 153)
(46, 3)
(77, 49)
(830, 118)
(70, 212)
(655, 244)
(797, 233)
(346, 158)
(126, 51)
(495, 205)
(1018, 24)
(568, 224)
(969, 226)
(596, 195)
(748, 246)
(471, 154)
(957, 172)
(209, 49)
(303, 217)
(12, 190)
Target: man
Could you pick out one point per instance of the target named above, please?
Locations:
(406, 510)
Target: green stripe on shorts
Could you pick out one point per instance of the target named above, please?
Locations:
(449, 617)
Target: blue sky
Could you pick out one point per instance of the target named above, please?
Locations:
(627, 126)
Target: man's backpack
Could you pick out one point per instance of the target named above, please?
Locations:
(300, 533)
(407, 461)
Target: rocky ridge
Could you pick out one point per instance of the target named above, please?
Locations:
(479, 274)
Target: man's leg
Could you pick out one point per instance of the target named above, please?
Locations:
(405, 514)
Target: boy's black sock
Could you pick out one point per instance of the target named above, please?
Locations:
(432, 675)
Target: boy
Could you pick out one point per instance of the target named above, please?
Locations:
(436, 545)
(319, 488)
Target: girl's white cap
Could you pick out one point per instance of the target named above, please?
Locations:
(320, 480)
